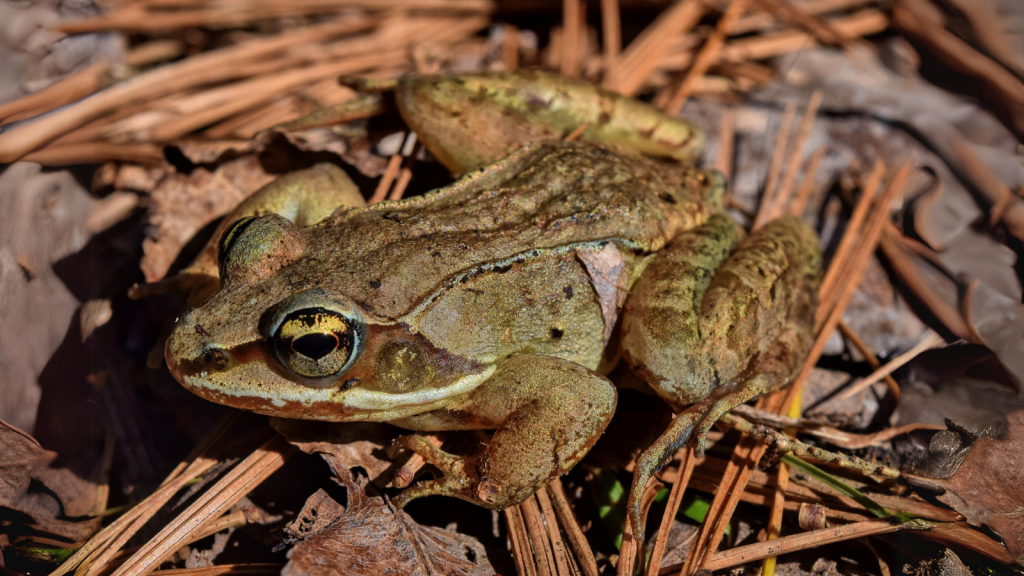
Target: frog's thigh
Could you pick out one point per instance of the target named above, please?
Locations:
(304, 197)
(660, 334)
(547, 412)
(690, 329)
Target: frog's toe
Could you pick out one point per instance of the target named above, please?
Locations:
(459, 473)
(445, 486)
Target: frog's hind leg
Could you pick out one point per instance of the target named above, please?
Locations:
(547, 413)
(710, 329)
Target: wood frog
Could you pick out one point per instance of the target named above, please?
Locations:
(500, 302)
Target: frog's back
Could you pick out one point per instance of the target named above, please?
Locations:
(543, 197)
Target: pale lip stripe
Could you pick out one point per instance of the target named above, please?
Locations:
(356, 398)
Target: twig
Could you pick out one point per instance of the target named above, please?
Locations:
(746, 456)
(225, 493)
(630, 548)
(848, 440)
(573, 13)
(822, 30)
(807, 186)
(784, 443)
(801, 489)
(930, 340)
(726, 143)
(911, 279)
(774, 529)
(675, 499)
(869, 356)
(188, 73)
(554, 535)
(706, 57)
(520, 548)
(803, 541)
(797, 154)
(641, 57)
(510, 48)
(760, 21)
(78, 85)
(154, 51)
(863, 23)
(768, 198)
(538, 538)
(96, 153)
(839, 264)
(253, 569)
(575, 134)
(611, 32)
(858, 263)
(572, 528)
(124, 527)
(136, 18)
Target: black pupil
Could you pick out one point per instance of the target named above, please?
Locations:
(316, 345)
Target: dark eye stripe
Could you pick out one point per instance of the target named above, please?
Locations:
(231, 237)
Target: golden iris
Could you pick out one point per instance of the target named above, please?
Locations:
(314, 342)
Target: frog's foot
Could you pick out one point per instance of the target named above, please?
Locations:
(691, 427)
(460, 477)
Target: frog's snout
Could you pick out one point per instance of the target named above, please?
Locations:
(189, 352)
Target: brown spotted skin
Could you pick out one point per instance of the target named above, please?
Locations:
(491, 303)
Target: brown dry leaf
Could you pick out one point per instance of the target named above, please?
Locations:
(999, 322)
(35, 56)
(370, 536)
(138, 178)
(43, 218)
(182, 204)
(317, 514)
(607, 273)
(988, 488)
(211, 151)
(63, 508)
(344, 445)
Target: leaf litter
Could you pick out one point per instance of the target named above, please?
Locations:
(205, 113)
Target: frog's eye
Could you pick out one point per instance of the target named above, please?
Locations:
(315, 342)
(256, 246)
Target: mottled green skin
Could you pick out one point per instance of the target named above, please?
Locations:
(469, 120)
(492, 303)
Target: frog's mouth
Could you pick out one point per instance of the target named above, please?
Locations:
(331, 404)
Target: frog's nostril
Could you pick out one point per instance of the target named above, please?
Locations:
(214, 357)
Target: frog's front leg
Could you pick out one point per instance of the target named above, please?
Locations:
(711, 330)
(547, 413)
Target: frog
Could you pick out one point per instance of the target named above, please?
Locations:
(503, 301)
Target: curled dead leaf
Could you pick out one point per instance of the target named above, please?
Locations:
(344, 445)
(370, 536)
(40, 501)
(988, 487)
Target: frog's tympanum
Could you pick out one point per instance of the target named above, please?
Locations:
(501, 301)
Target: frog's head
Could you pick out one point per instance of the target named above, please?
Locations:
(282, 337)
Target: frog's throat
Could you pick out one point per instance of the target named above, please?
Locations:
(349, 406)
